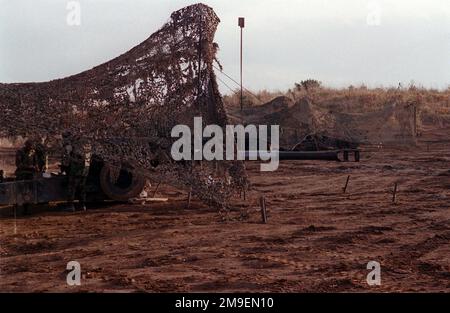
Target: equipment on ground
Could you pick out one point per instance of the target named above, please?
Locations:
(101, 185)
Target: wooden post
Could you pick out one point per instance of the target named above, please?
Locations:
(346, 184)
(262, 204)
(394, 194)
(189, 199)
(415, 119)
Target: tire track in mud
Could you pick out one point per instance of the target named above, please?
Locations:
(409, 257)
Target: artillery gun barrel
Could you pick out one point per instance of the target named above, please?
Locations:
(326, 155)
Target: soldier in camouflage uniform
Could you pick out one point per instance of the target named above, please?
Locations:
(26, 162)
(67, 150)
(77, 172)
(41, 157)
(26, 166)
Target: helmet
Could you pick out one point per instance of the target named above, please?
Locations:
(29, 144)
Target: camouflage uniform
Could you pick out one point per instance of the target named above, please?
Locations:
(67, 150)
(26, 162)
(41, 157)
(77, 172)
(26, 166)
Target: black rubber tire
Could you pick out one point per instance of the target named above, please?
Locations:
(117, 192)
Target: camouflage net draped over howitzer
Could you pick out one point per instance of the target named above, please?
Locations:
(125, 108)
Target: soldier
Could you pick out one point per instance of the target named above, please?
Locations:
(41, 157)
(67, 150)
(26, 166)
(26, 162)
(77, 172)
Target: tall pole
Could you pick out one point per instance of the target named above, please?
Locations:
(199, 86)
(241, 72)
(241, 22)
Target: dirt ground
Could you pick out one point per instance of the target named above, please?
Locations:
(317, 238)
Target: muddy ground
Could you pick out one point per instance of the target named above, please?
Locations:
(317, 238)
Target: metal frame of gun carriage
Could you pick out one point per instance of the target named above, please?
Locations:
(101, 185)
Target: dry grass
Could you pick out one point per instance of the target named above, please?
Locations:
(355, 99)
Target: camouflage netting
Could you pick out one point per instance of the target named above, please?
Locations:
(126, 108)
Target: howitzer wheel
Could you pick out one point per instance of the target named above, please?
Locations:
(128, 185)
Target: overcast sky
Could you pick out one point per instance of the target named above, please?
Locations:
(339, 42)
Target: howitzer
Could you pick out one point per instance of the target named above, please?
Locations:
(341, 155)
(100, 185)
